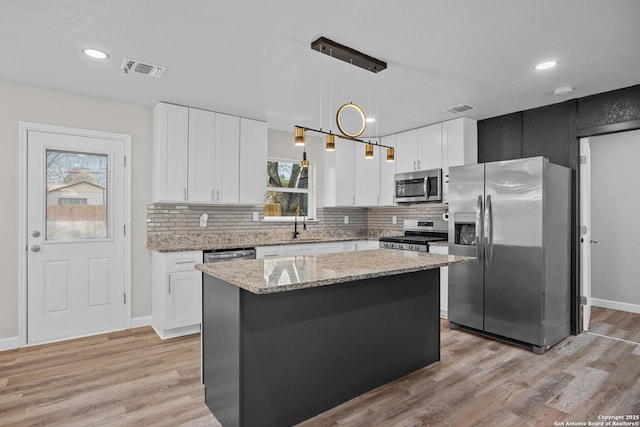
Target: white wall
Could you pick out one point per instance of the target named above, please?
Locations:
(29, 104)
(615, 206)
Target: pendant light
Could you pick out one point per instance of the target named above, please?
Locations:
(304, 163)
(391, 155)
(331, 142)
(299, 140)
(368, 151)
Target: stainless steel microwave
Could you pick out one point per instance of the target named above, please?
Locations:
(419, 186)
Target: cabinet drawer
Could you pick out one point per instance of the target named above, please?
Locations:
(182, 261)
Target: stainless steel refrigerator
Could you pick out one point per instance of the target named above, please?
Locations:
(514, 216)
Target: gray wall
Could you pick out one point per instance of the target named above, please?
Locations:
(615, 206)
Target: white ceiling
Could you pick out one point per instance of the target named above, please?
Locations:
(253, 58)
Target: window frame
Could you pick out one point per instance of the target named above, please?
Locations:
(310, 191)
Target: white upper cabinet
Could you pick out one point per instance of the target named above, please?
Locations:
(206, 157)
(430, 147)
(170, 152)
(387, 171)
(214, 157)
(227, 164)
(340, 174)
(253, 164)
(367, 175)
(419, 149)
(459, 147)
(202, 155)
(407, 151)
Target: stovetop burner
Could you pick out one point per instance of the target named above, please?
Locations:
(417, 235)
(413, 239)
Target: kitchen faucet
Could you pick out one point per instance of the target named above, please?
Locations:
(295, 222)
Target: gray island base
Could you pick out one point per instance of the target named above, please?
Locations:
(278, 358)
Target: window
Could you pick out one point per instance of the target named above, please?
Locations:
(77, 187)
(289, 189)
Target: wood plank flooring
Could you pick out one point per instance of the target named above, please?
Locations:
(614, 323)
(134, 378)
(122, 378)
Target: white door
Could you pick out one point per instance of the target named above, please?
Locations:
(585, 231)
(76, 244)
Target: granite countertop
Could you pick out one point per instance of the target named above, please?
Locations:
(181, 243)
(264, 276)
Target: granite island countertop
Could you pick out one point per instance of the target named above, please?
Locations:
(264, 276)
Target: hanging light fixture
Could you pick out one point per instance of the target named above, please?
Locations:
(355, 58)
(299, 140)
(368, 151)
(391, 155)
(331, 142)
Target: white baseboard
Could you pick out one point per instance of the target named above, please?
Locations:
(10, 343)
(138, 322)
(615, 305)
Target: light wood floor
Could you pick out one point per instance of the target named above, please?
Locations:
(614, 323)
(134, 378)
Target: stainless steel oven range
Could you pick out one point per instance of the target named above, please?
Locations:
(418, 233)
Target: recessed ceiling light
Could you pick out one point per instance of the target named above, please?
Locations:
(546, 65)
(370, 119)
(95, 53)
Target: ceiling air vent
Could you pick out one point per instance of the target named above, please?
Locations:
(146, 68)
(457, 109)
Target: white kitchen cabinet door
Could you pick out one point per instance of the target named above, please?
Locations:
(387, 172)
(176, 293)
(367, 175)
(184, 301)
(407, 151)
(340, 174)
(170, 152)
(202, 156)
(227, 165)
(253, 160)
(444, 281)
(430, 147)
(459, 147)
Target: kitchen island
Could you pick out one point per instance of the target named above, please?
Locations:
(285, 339)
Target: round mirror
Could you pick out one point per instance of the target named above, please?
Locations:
(351, 121)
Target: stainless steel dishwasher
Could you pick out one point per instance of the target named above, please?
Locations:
(222, 255)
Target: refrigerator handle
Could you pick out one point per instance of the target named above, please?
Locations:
(479, 229)
(488, 231)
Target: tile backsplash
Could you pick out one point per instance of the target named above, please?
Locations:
(184, 219)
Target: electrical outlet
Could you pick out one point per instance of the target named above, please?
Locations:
(256, 216)
(346, 219)
(394, 220)
(203, 220)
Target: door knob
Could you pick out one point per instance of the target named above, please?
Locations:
(595, 242)
(35, 248)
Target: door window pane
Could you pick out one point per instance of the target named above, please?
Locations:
(76, 195)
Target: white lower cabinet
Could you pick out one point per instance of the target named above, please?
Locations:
(176, 293)
(298, 249)
(444, 281)
(367, 245)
